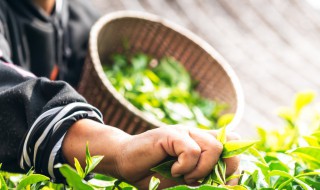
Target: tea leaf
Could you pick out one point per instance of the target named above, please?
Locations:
(233, 148)
(309, 154)
(91, 162)
(233, 177)
(79, 168)
(225, 119)
(216, 176)
(31, 179)
(72, 177)
(302, 99)
(235, 187)
(280, 173)
(257, 154)
(284, 184)
(154, 183)
(222, 135)
(222, 168)
(164, 169)
(303, 184)
(308, 174)
(3, 185)
(202, 187)
(311, 140)
(313, 183)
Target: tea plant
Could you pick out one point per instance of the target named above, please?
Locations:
(283, 159)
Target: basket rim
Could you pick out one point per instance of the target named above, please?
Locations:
(93, 53)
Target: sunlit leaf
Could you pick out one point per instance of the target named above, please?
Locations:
(303, 184)
(31, 179)
(309, 154)
(79, 168)
(91, 161)
(222, 135)
(225, 119)
(72, 177)
(202, 187)
(154, 183)
(302, 99)
(233, 148)
(280, 173)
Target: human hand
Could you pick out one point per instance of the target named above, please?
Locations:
(197, 152)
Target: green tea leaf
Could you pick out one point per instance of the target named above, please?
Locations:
(311, 140)
(308, 174)
(302, 99)
(277, 165)
(91, 162)
(303, 184)
(257, 154)
(3, 185)
(154, 183)
(216, 176)
(234, 148)
(280, 173)
(316, 134)
(202, 187)
(31, 179)
(72, 177)
(235, 187)
(233, 177)
(285, 183)
(222, 135)
(95, 160)
(164, 169)
(222, 168)
(313, 183)
(309, 154)
(225, 119)
(79, 168)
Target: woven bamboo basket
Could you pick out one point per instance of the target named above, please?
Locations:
(157, 37)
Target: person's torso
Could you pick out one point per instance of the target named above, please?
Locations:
(50, 46)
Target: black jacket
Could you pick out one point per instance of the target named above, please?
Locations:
(41, 43)
(35, 113)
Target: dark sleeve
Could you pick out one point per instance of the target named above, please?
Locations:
(82, 16)
(35, 114)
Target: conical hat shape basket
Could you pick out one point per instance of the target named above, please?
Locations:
(157, 37)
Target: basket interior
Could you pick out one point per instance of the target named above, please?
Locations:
(158, 40)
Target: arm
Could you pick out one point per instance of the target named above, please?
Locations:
(130, 157)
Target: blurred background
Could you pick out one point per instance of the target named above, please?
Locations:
(272, 45)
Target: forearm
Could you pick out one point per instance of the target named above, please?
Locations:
(102, 139)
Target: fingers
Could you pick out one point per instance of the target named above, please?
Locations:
(210, 152)
(197, 151)
(232, 165)
(188, 152)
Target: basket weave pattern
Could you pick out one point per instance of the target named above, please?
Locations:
(157, 38)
